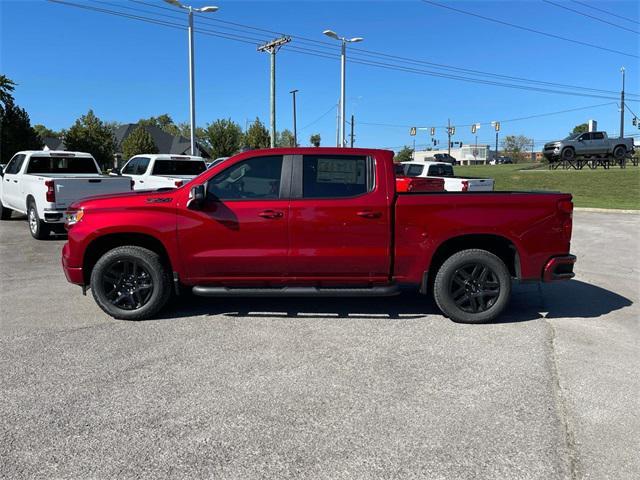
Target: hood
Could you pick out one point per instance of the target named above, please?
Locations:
(133, 198)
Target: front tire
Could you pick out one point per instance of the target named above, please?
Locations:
(130, 283)
(472, 286)
(5, 213)
(568, 154)
(39, 230)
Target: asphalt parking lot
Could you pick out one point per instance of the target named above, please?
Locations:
(321, 389)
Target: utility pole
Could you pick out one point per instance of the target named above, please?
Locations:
(295, 128)
(192, 83)
(352, 127)
(449, 136)
(272, 47)
(622, 106)
(338, 125)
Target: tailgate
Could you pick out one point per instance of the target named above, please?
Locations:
(69, 190)
(480, 184)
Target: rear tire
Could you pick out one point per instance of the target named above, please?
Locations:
(131, 283)
(39, 230)
(472, 286)
(619, 152)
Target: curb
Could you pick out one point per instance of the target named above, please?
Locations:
(606, 210)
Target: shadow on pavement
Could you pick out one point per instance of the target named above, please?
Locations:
(529, 301)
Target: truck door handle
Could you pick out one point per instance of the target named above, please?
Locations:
(369, 214)
(15, 181)
(270, 214)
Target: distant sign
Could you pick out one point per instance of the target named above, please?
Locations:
(593, 125)
(412, 132)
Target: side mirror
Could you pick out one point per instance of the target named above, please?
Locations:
(197, 196)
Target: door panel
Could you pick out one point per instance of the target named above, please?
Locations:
(240, 234)
(340, 222)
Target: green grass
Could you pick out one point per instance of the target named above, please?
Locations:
(600, 188)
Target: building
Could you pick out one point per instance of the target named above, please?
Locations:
(465, 155)
(165, 142)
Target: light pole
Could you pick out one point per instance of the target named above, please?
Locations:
(192, 86)
(622, 105)
(343, 64)
(295, 128)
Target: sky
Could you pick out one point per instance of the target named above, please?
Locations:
(67, 60)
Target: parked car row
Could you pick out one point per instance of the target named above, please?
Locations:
(42, 184)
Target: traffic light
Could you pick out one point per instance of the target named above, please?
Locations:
(473, 128)
(497, 126)
(634, 121)
(412, 132)
(453, 130)
(433, 131)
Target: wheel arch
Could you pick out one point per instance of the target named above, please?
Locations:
(500, 246)
(101, 245)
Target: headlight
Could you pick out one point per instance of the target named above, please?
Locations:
(71, 217)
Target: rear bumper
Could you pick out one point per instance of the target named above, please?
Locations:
(74, 274)
(559, 268)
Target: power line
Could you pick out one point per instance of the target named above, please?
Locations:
(605, 11)
(591, 16)
(540, 115)
(324, 54)
(319, 118)
(364, 52)
(528, 29)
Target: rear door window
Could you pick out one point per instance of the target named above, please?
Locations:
(141, 165)
(336, 176)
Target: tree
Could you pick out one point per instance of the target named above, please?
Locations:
(139, 141)
(583, 127)
(285, 139)
(16, 132)
(44, 132)
(404, 155)
(90, 134)
(516, 146)
(223, 137)
(315, 139)
(257, 136)
(7, 86)
(164, 121)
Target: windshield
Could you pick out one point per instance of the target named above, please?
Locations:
(179, 167)
(62, 165)
(573, 136)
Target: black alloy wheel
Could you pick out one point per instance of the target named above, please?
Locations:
(127, 284)
(474, 287)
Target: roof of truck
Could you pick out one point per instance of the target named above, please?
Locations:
(55, 153)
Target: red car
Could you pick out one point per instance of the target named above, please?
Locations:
(314, 222)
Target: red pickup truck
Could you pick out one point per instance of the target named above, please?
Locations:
(314, 222)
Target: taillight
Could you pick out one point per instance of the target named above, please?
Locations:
(133, 183)
(51, 191)
(465, 186)
(565, 206)
(178, 183)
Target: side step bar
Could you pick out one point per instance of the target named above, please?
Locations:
(383, 291)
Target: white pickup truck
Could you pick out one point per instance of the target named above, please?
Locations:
(151, 172)
(445, 171)
(42, 184)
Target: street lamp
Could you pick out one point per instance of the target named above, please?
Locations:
(343, 59)
(192, 87)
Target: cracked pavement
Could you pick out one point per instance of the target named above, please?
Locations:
(330, 388)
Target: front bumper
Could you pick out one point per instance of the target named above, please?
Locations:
(74, 274)
(559, 268)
